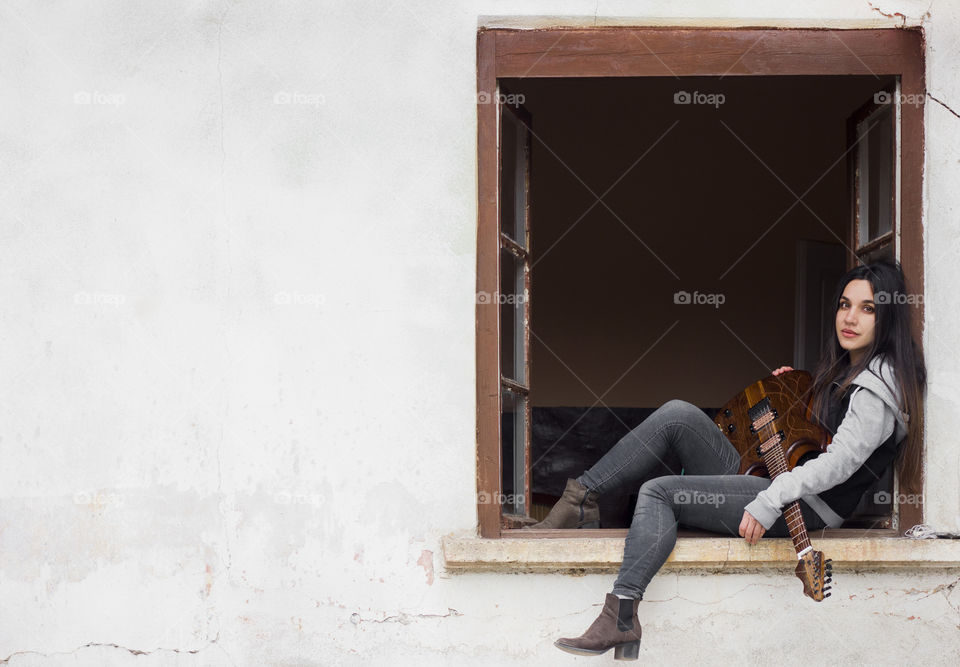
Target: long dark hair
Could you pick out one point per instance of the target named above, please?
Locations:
(892, 341)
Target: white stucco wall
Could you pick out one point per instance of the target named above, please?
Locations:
(237, 314)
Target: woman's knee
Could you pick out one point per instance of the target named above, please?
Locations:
(660, 488)
(678, 408)
(676, 412)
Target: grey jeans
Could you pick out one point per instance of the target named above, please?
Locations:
(709, 495)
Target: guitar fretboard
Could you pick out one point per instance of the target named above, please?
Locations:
(762, 417)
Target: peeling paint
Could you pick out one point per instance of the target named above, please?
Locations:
(426, 562)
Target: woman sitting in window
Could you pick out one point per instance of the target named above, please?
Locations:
(872, 374)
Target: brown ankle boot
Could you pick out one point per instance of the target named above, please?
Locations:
(617, 627)
(577, 508)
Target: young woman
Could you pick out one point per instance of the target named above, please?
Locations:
(870, 381)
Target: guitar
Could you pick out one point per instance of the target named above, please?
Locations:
(770, 424)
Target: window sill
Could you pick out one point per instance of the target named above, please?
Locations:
(562, 552)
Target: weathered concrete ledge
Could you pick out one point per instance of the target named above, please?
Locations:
(604, 554)
(528, 22)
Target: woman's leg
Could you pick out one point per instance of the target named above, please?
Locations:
(676, 426)
(710, 495)
(708, 502)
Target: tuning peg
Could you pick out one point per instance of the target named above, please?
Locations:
(827, 580)
(828, 561)
(826, 588)
(827, 595)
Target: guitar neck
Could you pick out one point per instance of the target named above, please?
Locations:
(776, 464)
(765, 441)
(762, 416)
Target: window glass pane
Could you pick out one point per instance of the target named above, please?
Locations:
(513, 178)
(875, 509)
(876, 174)
(512, 299)
(886, 250)
(513, 435)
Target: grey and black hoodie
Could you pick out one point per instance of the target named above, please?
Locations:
(862, 447)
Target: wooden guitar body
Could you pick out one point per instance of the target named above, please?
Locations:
(789, 394)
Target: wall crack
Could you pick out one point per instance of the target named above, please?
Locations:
(943, 104)
(402, 618)
(132, 651)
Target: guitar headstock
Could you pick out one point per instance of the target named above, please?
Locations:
(815, 573)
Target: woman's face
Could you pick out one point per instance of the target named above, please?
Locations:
(856, 317)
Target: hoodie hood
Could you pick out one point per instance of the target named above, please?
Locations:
(879, 378)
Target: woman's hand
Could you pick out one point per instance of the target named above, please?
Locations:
(751, 529)
(783, 369)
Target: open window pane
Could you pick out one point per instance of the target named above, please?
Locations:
(512, 300)
(513, 427)
(885, 250)
(875, 156)
(513, 177)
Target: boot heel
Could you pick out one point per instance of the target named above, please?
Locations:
(628, 651)
(591, 524)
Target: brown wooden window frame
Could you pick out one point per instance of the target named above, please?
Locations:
(638, 52)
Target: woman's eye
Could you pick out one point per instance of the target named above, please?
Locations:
(868, 309)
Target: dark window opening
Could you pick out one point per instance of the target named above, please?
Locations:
(685, 236)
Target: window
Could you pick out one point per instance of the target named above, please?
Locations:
(508, 58)
(513, 298)
(871, 133)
